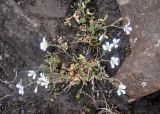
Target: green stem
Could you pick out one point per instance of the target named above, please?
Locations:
(112, 25)
(60, 47)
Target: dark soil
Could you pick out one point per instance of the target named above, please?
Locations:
(146, 105)
(9, 61)
(13, 63)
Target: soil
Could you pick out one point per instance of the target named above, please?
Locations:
(146, 105)
(13, 67)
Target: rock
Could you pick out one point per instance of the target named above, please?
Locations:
(20, 32)
(110, 8)
(64, 105)
(142, 66)
(1, 58)
(48, 8)
(23, 25)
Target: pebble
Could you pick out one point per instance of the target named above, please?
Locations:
(6, 55)
(11, 86)
(1, 58)
(23, 110)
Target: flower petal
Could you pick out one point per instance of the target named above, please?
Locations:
(129, 28)
(46, 86)
(111, 45)
(118, 40)
(43, 83)
(127, 32)
(116, 59)
(21, 91)
(34, 76)
(114, 40)
(109, 49)
(30, 73)
(44, 39)
(104, 47)
(42, 74)
(116, 46)
(112, 58)
(122, 86)
(36, 89)
(43, 45)
(18, 85)
(101, 37)
(116, 63)
(119, 92)
(123, 91)
(107, 44)
(112, 65)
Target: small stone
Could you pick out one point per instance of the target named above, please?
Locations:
(60, 40)
(1, 58)
(6, 55)
(19, 3)
(22, 110)
(11, 86)
(144, 84)
(20, 98)
(51, 100)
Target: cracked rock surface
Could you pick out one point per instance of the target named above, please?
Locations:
(140, 72)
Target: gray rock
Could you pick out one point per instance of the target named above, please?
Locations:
(143, 64)
(21, 32)
(48, 8)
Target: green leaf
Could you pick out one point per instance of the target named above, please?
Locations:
(92, 28)
(86, 78)
(94, 37)
(83, 20)
(62, 74)
(83, 5)
(97, 26)
(78, 96)
(87, 1)
(81, 57)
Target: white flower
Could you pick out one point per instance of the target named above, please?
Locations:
(114, 62)
(115, 42)
(43, 80)
(32, 73)
(107, 46)
(43, 44)
(102, 36)
(127, 28)
(121, 89)
(20, 87)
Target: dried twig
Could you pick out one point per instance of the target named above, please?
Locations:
(7, 82)
(3, 69)
(107, 109)
(5, 97)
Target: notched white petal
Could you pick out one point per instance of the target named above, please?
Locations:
(20, 88)
(107, 46)
(121, 89)
(114, 62)
(43, 80)
(127, 28)
(32, 74)
(119, 92)
(43, 45)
